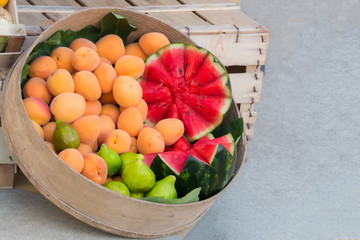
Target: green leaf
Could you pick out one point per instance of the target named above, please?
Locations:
(113, 23)
(191, 197)
(236, 128)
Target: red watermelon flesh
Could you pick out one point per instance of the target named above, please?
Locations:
(198, 84)
(194, 153)
(175, 160)
(182, 145)
(204, 139)
(148, 158)
(208, 149)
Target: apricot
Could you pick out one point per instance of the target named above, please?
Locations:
(148, 125)
(131, 121)
(95, 168)
(151, 42)
(110, 110)
(38, 129)
(106, 76)
(51, 146)
(36, 87)
(73, 158)
(94, 146)
(141, 106)
(85, 59)
(60, 81)
(42, 67)
(110, 47)
(104, 60)
(129, 65)
(88, 128)
(134, 49)
(62, 57)
(133, 147)
(171, 129)
(84, 149)
(82, 42)
(107, 98)
(107, 125)
(87, 85)
(68, 107)
(118, 140)
(127, 91)
(92, 107)
(150, 141)
(49, 130)
(37, 110)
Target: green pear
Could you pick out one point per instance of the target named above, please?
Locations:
(65, 136)
(112, 159)
(164, 188)
(138, 177)
(118, 187)
(129, 157)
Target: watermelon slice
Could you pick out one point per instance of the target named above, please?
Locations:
(208, 148)
(189, 83)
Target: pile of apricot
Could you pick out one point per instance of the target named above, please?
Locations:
(93, 87)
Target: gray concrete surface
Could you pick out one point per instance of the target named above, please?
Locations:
(302, 180)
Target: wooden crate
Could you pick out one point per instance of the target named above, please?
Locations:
(218, 25)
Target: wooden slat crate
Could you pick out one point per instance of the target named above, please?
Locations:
(217, 25)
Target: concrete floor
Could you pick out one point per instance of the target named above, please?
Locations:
(303, 174)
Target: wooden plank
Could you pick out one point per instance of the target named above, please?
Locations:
(12, 30)
(174, 18)
(7, 172)
(246, 87)
(15, 44)
(103, 3)
(56, 16)
(32, 18)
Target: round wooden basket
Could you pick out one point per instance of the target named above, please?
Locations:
(74, 193)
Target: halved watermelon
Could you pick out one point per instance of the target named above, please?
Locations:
(189, 83)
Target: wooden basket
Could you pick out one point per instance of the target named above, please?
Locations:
(74, 193)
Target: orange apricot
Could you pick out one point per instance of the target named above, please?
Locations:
(88, 128)
(73, 158)
(37, 110)
(49, 130)
(85, 59)
(42, 67)
(36, 87)
(38, 129)
(62, 57)
(133, 146)
(127, 91)
(129, 65)
(104, 60)
(95, 168)
(106, 76)
(87, 85)
(110, 110)
(84, 149)
(110, 47)
(92, 107)
(60, 81)
(134, 49)
(94, 146)
(151, 42)
(107, 98)
(130, 120)
(82, 42)
(107, 125)
(150, 141)
(171, 129)
(51, 146)
(141, 106)
(68, 107)
(118, 140)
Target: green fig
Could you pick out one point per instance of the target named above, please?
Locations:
(137, 195)
(112, 159)
(138, 177)
(164, 188)
(118, 187)
(129, 157)
(65, 136)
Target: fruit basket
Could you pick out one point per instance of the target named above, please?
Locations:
(75, 194)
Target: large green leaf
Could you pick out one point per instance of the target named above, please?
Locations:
(191, 197)
(113, 23)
